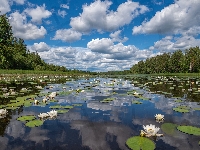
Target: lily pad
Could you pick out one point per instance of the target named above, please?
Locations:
(136, 102)
(178, 100)
(181, 110)
(189, 130)
(67, 107)
(169, 128)
(62, 111)
(26, 118)
(34, 123)
(55, 107)
(140, 143)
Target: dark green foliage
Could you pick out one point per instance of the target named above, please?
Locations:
(15, 55)
(176, 62)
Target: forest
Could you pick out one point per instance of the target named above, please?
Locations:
(176, 62)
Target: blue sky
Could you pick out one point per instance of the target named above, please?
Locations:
(103, 35)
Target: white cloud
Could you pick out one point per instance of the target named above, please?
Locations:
(67, 35)
(117, 38)
(100, 45)
(24, 30)
(38, 13)
(62, 13)
(98, 16)
(176, 18)
(120, 57)
(171, 44)
(40, 47)
(64, 6)
(4, 7)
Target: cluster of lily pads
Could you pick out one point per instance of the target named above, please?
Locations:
(143, 142)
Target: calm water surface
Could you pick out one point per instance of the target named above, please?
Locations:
(103, 126)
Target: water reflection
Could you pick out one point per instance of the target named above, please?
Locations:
(100, 125)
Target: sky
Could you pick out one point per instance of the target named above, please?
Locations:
(103, 35)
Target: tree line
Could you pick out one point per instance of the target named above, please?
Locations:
(176, 62)
(15, 55)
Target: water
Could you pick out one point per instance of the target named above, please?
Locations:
(103, 126)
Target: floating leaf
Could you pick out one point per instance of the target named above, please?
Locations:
(189, 130)
(169, 128)
(27, 104)
(62, 111)
(180, 110)
(26, 118)
(34, 123)
(12, 108)
(140, 143)
(178, 100)
(77, 104)
(196, 108)
(136, 102)
(67, 107)
(55, 107)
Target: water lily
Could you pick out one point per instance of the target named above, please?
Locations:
(43, 115)
(3, 112)
(150, 130)
(159, 117)
(36, 102)
(52, 95)
(52, 113)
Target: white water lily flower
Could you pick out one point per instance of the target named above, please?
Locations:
(52, 113)
(36, 102)
(159, 117)
(3, 112)
(150, 130)
(43, 115)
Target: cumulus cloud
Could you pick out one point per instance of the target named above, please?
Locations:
(4, 7)
(24, 30)
(171, 44)
(117, 38)
(100, 45)
(62, 13)
(40, 47)
(67, 35)
(97, 16)
(117, 51)
(120, 57)
(38, 13)
(179, 17)
(64, 6)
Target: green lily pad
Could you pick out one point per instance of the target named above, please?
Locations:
(136, 102)
(27, 104)
(12, 108)
(196, 108)
(53, 100)
(183, 107)
(178, 100)
(181, 110)
(189, 130)
(62, 111)
(34, 123)
(55, 107)
(26, 118)
(2, 106)
(67, 107)
(169, 128)
(140, 143)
